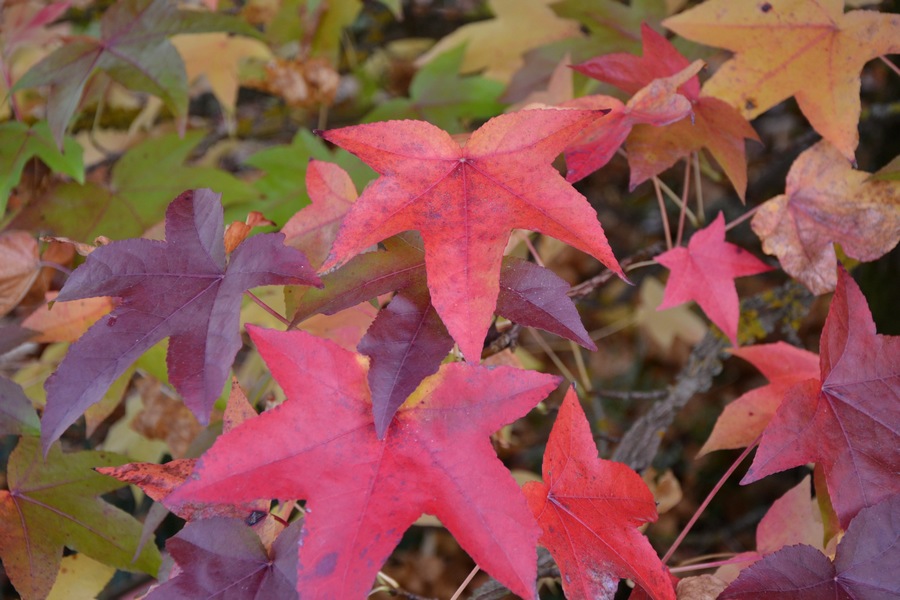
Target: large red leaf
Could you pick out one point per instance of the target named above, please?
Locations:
(747, 416)
(864, 567)
(362, 493)
(407, 341)
(705, 272)
(715, 125)
(224, 558)
(466, 201)
(848, 421)
(589, 510)
(181, 289)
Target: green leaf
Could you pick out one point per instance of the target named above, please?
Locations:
(19, 143)
(143, 182)
(133, 49)
(440, 96)
(283, 184)
(54, 503)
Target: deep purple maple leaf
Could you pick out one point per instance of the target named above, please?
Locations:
(180, 289)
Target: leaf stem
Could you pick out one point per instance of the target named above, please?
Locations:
(551, 354)
(698, 189)
(707, 565)
(890, 65)
(582, 369)
(662, 212)
(534, 252)
(268, 309)
(743, 218)
(686, 187)
(709, 498)
(695, 221)
(465, 583)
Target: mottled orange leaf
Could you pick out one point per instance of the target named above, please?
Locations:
(66, 321)
(810, 50)
(826, 202)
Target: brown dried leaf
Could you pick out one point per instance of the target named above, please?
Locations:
(19, 267)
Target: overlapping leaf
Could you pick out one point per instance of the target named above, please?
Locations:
(133, 200)
(19, 267)
(744, 419)
(655, 104)
(812, 51)
(466, 201)
(715, 125)
(847, 420)
(827, 202)
(181, 289)
(224, 558)
(17, 415)
(133, 48)
(52, 503)
(19, 143)
(705, 272)
(589, 510)
(362, 492)
(440, 96)
(407, 341)
(864, 566)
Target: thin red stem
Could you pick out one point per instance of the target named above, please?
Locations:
(684, 196)
(268, 309)
(708, 565)
(890, 65)
(742, 218)
(708, 499)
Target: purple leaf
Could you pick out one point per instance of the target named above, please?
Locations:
(179, 289)
(224, 558)
(864, 568)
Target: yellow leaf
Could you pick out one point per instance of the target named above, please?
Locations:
(665, 325)
(497, 45)
(783, 48)
(80, 578)
(217, 57)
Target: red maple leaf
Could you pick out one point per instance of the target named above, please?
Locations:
(716, 126)
(589, 510)
(655, 104)
(746, 417)
(705, 272)
(407, 341)
(362, 493)
(864, 566)
(846, 421)
(466, 201)
(180, 289)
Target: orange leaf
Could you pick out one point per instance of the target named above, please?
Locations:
(827, 201)
(66, 321)
(809, 50)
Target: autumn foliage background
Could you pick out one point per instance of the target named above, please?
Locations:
(244, 233)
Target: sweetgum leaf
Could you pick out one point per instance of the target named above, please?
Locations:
(864, 567)
(466, 201)
(705, 272)
(133, 48)
(846, 420)
(180, 289)
(825, 202)
(812, 51)
(19, 143)
(408, 341)
(224, 558)
(440, 96)
(747, 416)
(362, 493)
(715, 125)
(589, 510)
(54, 502)
(132, 202)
